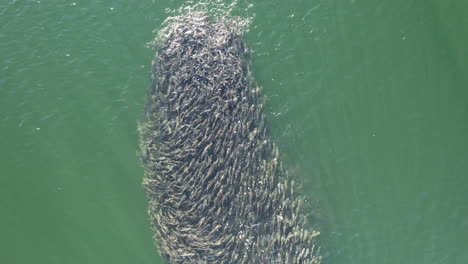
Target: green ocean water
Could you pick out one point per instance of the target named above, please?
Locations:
(367, 100)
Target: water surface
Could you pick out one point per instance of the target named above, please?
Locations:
(367, 101)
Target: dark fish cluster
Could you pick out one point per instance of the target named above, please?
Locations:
(217, 190)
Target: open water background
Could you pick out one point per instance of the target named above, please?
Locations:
(367, 100)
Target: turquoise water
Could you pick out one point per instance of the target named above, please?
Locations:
(367, 100)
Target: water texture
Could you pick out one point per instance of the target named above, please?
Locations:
(367, 102)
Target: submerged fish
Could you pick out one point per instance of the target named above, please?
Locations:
(217, 190)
